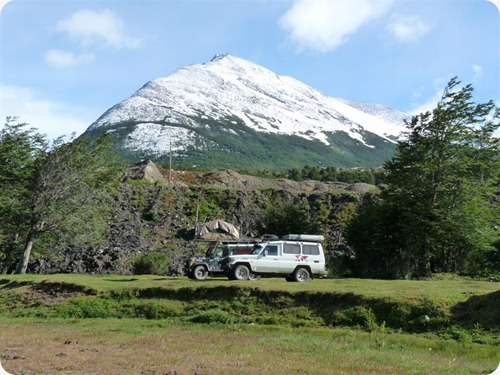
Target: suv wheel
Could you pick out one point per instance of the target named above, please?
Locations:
(301, 275)
(241, 272)
(200, 273)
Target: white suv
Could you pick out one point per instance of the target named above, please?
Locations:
(297, 257)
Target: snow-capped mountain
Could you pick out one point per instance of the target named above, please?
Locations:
(230, 106)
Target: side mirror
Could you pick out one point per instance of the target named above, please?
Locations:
(265, 252)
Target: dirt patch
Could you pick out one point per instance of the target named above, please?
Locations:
(53, 292)
(62, 349)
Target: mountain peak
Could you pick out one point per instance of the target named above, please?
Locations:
(202, 106)
(219, 57)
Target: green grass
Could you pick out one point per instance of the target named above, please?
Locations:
(111, 346)
(447, 292)
(356, 326)
(444, 306)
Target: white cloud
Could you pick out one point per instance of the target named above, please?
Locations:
(408, 28)
(323, 25)
(49, 117)
(432, 101)
(429, 104)
(97, 28)
(478, 70)
(65, 59)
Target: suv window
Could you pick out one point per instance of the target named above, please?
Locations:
(272, 249)
(310, 249)
(291, 248)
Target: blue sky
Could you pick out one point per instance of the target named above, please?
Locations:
(65, 62)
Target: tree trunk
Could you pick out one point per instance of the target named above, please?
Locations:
(23, 263)
(425, 265)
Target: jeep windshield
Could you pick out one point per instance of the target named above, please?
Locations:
(214, 250)
(257, 249)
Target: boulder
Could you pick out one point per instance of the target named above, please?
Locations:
(144, 170)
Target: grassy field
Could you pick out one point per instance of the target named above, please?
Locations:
(76, 324)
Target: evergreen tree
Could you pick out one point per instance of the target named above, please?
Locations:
(440, 186)
(282, 217)
(329, 174)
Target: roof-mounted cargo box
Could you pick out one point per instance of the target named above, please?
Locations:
(304, 237)
(269, 237)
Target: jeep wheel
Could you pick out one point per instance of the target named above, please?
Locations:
(253, 277)
(200, 273)
(241, 272)
(301, 275)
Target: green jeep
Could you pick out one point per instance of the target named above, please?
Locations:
(199, 268)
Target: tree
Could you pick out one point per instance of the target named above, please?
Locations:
(71, 185)
(439, 187)
(20, 148)
(377, 254)
(59, 190)
(284, 217)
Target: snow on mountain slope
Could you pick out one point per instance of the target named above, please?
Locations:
(230, 87)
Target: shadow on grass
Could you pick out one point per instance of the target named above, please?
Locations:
(14, 284)
(55, 288)
(122, 280)
(483, 310)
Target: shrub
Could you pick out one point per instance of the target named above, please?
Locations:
(86, 308)
(268, 320)
(212, 316)
(154, 310)
(355, 316)
(153, 263)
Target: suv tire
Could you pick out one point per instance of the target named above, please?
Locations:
(200, 273)
(301, 275)
(241, 272)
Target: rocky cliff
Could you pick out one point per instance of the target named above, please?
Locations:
(151, 214)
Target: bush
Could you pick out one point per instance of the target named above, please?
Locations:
(154, 310)
(213, 316)
(153, 263)
(355, 316)
(86, 308)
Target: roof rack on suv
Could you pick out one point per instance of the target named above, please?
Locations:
(269, 237)
(293, 237)
(303, 237)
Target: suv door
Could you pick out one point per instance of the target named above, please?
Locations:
(268, 260)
